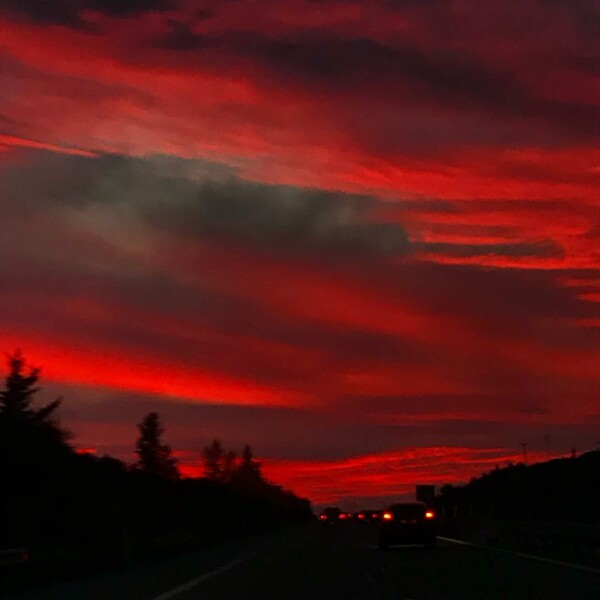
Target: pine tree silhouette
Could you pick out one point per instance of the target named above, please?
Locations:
(248, 474)
(213, 460)
(154, 457)
(16, 411)
(229, 466)
(19, 389)
(249, 465)
(34, 454)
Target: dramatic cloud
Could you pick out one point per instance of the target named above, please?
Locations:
(343, 229)
(70, 13)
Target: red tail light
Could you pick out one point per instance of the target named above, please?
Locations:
(388, 516)
(375, 515)
(361, 516)
(343, 515)
(323, 517)
(429, 514)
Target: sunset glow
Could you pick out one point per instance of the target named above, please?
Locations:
(362, 236)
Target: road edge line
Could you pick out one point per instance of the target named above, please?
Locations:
(523, 555)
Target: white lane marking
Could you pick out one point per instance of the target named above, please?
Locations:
(523, 555)
(188, 585)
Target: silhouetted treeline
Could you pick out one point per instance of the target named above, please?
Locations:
(62, 505)
(566, 489)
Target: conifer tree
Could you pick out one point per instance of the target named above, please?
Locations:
(229, 466)
(17, 412)
(154, 457)
(213, 460)
(248, 474)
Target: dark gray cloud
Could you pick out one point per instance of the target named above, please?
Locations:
(539, 249)
(45, 200)
(282, 216)
(71, 221)
(398, 73)
(222, 332)
(199, 200)
(69, 12)
(351, 62)
(585, 14)
(305, 434)
(278, 432)
(348, 64)
(181, 37)
(130, 7)
(520, 298)
(55, 12)
(587, 63)
(445, 405)
(403, 4)
(205, 201)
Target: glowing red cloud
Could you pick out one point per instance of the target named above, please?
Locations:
(389, 474)
(14, 141)
(476, 139)
(379, 476)
(93, 365)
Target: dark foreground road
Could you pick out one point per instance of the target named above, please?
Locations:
(311, 563)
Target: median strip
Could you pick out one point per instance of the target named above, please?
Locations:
(523, 555)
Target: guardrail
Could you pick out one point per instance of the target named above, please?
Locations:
(572, 539)
(576, 541)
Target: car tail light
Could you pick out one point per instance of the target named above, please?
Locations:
(323, 517)
(361, 516)
(388, 516)
(343, 515)
(429, 514)
(375, 515)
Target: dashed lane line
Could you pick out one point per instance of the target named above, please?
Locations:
(192, 583)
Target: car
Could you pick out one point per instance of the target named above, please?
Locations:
(407, 523)
(332, 516)
(374, 516)
(369, 516)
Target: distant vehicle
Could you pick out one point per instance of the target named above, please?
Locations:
(407, 523)
(332, 516)
(369, 516)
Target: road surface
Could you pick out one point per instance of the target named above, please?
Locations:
(337, 563)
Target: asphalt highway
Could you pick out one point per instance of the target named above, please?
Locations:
(312, 562)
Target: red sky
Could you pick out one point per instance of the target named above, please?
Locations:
(361, 235)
